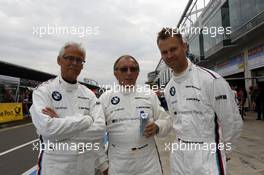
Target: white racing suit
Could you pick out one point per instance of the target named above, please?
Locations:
(129, 152)
(71, 143)
(205, 118)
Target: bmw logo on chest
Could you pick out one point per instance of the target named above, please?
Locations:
(56, 96)
(172, 91)
(115, 100)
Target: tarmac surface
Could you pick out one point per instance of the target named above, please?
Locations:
(17, 153)
(246, 159)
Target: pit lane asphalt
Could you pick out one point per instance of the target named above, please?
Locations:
(16, 149)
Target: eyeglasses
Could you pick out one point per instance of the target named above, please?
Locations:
(78, 60)
(125, 69)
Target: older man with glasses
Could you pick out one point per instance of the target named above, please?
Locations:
(133, 117)
(69, 120)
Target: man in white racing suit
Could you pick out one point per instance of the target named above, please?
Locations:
(205, 115)
(132, 149)
(69, 119)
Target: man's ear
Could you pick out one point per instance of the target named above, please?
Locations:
(115, 73)
(58, 60)
(184, 44)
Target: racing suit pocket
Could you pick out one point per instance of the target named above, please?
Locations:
(59, 164)
(120, 161)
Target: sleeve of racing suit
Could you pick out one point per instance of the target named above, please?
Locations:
(103, 100)
(161, 117)
(226, 109)
(102, 159)
(97, 130)
(95, 133)
(167, 97)
(101, 162)
(55, 128)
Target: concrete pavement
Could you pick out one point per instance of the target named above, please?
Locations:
(248, 157)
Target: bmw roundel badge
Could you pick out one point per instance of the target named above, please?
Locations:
(115, 100)
(172, 91)
(56, 96)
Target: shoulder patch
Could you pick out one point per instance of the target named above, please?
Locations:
(223, 97)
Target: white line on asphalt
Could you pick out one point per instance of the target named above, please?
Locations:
(14, 127)
(30, 171)
(18, 147)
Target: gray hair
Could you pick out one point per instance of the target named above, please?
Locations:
(125, 57)
(72, 44)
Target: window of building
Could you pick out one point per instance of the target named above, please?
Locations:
(259, 6)
(242, 11)
(194, 46)
(212, 38)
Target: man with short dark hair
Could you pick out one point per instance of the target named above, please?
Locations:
(69, 119)
(133, 117)
(203, 110)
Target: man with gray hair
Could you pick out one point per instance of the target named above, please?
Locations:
(69, 120)
(133, 117)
